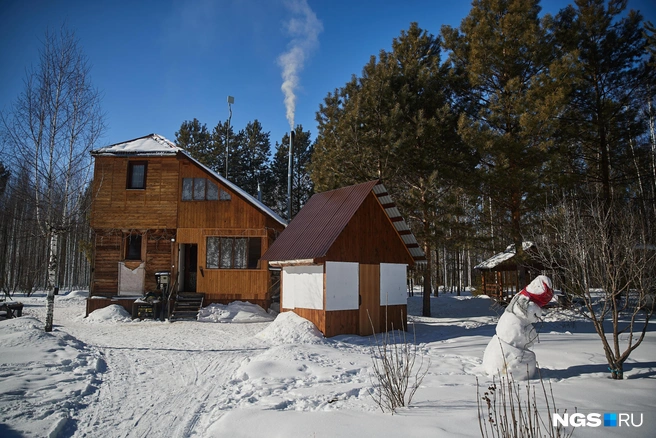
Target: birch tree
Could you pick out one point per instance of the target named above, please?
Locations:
(49, 131)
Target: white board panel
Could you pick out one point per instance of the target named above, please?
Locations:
(302, 287)
(393, 284)
(131, 282)
(342, 286)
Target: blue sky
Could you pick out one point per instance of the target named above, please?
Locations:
(159, 63)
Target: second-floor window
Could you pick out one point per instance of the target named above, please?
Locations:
(202, 189)
(137, 175)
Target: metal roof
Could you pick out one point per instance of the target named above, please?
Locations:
(503, 260)
(323, 218)
(156, 145)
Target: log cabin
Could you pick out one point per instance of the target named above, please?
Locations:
(344, 260)
(500, 279)
(157, 209)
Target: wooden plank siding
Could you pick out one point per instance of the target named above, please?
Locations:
(369, 238)
(235, 213)
(317, 317)
(369, 314)
(225, 285)
(341, 322)
(393, 317)
(116, 207)
(331, 323)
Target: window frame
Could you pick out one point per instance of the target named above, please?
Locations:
(207, 191)
(128, 246)
(248, 255)
(129, 185)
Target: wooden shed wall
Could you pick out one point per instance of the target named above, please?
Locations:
(344, 322)
(115, 206)
(369, 237)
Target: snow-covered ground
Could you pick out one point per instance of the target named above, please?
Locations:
(248, 376)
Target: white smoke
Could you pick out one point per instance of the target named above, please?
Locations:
(304, 27)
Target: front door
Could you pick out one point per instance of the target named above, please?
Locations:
(189, 266)
(369, 315)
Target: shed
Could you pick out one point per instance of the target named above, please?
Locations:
(500, 273)
(344, 261)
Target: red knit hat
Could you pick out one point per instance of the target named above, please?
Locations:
(540, 290)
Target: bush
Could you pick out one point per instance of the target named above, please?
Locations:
(396, 373)
(505, 411)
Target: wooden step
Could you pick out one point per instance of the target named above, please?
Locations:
(186, 306)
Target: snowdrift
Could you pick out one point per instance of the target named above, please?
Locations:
(237, 312)
(113, 313)
(289, 328)
(45, 376)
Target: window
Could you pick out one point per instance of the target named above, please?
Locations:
(201, 189)
(233, 252)
(137, 175)
(187, 189)
(133, 247)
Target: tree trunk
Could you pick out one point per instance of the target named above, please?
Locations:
(427, 281)
(52, 279)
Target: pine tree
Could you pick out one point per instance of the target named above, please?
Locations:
(302, 185)
(250, 169)
(505, 54)
(396, 123)
(225, 141)
(605, 100)
(195, 139)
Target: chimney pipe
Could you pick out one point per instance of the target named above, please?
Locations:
(289, 175)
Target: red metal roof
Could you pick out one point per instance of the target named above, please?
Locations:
(316, 227)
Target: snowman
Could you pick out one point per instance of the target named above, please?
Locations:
(509, 351)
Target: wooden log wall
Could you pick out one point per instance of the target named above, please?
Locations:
(99, 303)
(107, 253)
(116, 207)
(110, 250)
(158, 256)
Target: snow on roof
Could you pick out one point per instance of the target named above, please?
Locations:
(155, 144)
(152, 144)
(501, 257)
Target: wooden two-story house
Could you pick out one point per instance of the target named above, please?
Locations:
(155, 208)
